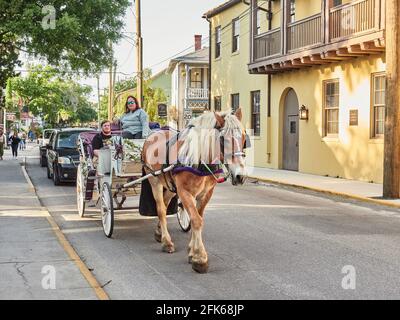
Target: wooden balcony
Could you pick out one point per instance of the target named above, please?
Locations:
(339, 33)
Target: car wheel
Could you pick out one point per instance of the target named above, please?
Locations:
(56, 178)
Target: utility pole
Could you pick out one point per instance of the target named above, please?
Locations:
(139, 48)
(113, 86)
(98, 100)
(2, 107)
(110, 89)
(391, 167)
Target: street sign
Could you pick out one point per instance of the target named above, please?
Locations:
(162, 110)
(11, 116)
(187, 115)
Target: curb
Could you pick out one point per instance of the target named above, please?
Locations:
(329, 192)
(28, 179)
(94, 284)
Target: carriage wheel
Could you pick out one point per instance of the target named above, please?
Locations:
(107, 210)
(183, 217)
(80, 192)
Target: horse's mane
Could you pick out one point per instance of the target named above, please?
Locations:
(200, 141)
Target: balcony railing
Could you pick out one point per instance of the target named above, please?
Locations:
(304, 33)
(268, 44)
(196, 93)
(352, 18)
(341, 23)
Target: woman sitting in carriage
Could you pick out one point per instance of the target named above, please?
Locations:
(135, 121)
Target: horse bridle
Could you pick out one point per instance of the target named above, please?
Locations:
(237, 153)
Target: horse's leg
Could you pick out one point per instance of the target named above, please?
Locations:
(197, 251)
(202, 201)
(167, 199)
(158, 194)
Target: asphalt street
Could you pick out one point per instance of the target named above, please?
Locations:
(263, 241)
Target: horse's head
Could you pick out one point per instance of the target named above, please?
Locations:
(233, 143)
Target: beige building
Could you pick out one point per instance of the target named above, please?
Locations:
(320, 68)
(189, 84)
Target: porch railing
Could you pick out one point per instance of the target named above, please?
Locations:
(267, 44)
(304, 33)
(352, 18)
(196, 93)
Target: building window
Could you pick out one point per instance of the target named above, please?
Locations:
(378, 102)
(217, 104)
(337, 3)
(331, 107)
(255, 112)
(235, 35)
(258, 31)
(217, 42)
(235, 101)
(196, 78)
(292, 11)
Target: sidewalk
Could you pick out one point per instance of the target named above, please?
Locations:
(364, 191)
(32, 259)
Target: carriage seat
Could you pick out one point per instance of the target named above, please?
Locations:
(87, 138)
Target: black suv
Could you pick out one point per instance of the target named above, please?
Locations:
(63, 155)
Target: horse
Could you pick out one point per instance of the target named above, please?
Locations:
(214, 137)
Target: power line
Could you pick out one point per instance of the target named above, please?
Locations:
(177, 54)
(242, 15)
(75, 72)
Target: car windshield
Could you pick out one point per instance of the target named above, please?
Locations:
(47, 134)
(68, 140)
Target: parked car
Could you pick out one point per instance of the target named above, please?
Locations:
(63, 155)
(44, 141)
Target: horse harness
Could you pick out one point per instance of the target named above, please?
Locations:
(171, 184)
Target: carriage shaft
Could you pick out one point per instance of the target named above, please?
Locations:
(156, 173)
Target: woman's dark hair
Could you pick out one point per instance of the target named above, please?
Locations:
(126, 104)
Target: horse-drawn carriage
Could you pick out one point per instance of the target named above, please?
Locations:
(112, 177)
(206, 153)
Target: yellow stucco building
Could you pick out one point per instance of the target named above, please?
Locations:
(310, 77)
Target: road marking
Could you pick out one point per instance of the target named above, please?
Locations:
(100, 293)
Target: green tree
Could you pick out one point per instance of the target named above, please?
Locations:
(49, 95)
(75, 36)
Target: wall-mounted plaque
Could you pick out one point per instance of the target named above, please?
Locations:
(354, 117)
(162, 110)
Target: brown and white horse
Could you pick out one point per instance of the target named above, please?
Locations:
(212, 137)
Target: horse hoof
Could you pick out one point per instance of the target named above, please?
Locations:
(168, 248)
(200, 267)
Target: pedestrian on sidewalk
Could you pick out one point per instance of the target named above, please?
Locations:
(3, 142)
(15, 140)
(23, 140)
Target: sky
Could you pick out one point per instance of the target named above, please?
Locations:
(168, 27)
